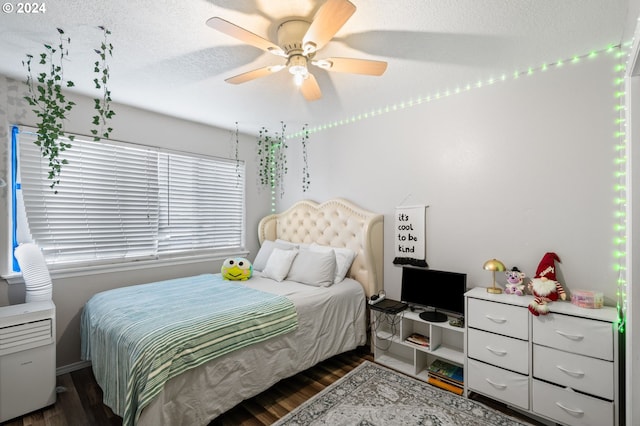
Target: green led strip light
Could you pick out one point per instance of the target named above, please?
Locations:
(458, 90)
(620, 188)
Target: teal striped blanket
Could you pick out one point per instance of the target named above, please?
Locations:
(139, 337)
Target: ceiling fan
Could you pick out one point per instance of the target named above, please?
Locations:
(298, 42)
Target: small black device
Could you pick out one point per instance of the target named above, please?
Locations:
(441, 292)
(389, 306)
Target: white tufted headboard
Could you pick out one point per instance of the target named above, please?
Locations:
(337, 223)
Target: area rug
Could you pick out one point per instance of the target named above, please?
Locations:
(372, 395)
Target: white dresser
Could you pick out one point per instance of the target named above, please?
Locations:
(562, 366)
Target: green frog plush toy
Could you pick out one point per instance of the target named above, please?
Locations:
(236, 269)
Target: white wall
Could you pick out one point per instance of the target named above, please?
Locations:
(510, 171)
(131, 125)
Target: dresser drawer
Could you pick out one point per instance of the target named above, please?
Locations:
(591, 375)
(510, 387)
(571, 408)
(506, 352)
(578, 335)
(500, 318)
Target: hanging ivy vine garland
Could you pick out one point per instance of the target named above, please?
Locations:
(280, 159)
(50, 105)
(102, 105)
(237, 152)
(264, 142)
(272, 159)
(306, 177)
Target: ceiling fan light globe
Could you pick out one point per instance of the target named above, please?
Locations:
(298, 70)
(298, 79)
(297, 64)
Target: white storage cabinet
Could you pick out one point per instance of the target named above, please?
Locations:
(561, 367)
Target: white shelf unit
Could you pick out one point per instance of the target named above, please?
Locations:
(390, 348)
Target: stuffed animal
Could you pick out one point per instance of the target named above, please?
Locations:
(544, 286)
(236, 269)
(515, 282)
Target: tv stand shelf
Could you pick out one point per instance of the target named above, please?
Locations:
(390, 347)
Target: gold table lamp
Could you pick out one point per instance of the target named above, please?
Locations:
(494, 265)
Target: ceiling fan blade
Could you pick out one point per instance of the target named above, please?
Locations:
(351, 65)
(252, 75)
(243, 35)
(330, 18)
(310, 88)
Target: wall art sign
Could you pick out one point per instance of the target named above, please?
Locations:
(410, 236)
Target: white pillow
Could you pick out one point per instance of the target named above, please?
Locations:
(317, 268)
(344, 259)
(290, 244)
(279, 264)
(286, 243)
(265, 251)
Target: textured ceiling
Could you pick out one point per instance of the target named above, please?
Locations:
(167, 60)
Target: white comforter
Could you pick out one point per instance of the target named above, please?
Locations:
(330, 321)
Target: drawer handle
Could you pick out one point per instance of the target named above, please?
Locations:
(570, 336)
(496, 351)
(497, 385)
(495, 319)
(571, 410)
(569, 372)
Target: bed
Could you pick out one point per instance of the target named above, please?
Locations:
(330, 319)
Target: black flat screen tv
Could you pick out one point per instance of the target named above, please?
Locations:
(439, 292)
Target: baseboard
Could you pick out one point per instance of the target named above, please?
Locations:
(72, 367)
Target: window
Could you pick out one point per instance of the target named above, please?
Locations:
(122, 202)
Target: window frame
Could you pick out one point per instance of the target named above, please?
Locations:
(114, 265)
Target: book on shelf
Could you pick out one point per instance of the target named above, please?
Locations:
(439, 383)
(440, 368)
(446, 380)
(418, 339)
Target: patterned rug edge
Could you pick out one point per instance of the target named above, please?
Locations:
(320, 394)
(368, 364)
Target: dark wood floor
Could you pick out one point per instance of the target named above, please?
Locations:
(79, 401)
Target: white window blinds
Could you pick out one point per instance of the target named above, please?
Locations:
(202, 204)
(120, 202)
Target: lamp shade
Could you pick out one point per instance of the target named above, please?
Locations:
(494, 265)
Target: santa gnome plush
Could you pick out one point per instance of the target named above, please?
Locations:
(544, 285)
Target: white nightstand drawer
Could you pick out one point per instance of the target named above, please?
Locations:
(512, 388)
(498, 318)
(506, 352)
(571, 408)
(591, 375)
(578, 335)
